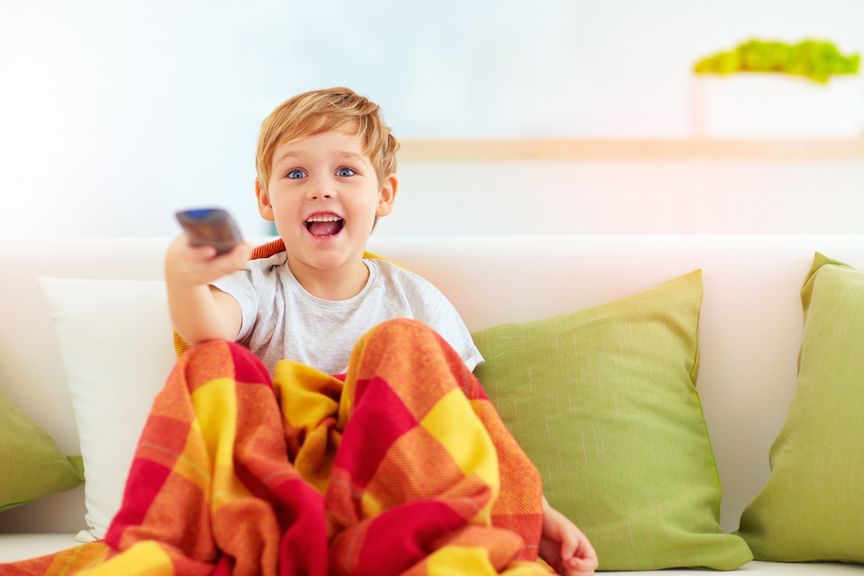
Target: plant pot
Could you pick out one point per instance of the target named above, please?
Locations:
(757, 105)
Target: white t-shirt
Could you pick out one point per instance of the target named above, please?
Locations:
(282, 320)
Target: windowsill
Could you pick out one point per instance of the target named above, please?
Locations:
(516, 149)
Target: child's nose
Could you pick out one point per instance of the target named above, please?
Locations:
(320, 189)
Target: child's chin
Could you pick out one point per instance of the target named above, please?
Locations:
(328, 259)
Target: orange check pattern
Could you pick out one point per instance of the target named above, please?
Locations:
(402, 467)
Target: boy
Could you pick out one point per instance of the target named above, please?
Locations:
(326, 172)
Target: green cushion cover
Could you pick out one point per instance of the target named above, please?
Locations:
(604, 402)
(812, 507)
(33, 465)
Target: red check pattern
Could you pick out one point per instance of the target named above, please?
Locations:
(402, 468)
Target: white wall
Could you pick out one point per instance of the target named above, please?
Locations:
(697, 196)
(114, 113)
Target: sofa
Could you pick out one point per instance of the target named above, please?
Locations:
(750, 327)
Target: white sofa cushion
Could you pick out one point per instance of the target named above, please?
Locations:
(115, 340)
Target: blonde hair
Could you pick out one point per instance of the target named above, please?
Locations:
(319, 111)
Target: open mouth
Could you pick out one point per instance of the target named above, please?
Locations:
(324, 226)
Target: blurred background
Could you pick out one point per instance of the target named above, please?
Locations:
(517, 116)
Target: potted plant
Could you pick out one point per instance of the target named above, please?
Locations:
(765, 88)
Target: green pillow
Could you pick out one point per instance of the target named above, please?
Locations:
(812, 507)
(32, 464)
(605, 404)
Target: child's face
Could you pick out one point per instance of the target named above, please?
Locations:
(324, 196)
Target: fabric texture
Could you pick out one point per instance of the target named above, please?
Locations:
(110, 400)
(604, 403)
(405, 468)
(33, 465)
(282, 320)
(812, 506)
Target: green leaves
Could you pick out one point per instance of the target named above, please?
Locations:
(814, 59)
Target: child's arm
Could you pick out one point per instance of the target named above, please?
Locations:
(564, 547)
(200, 312)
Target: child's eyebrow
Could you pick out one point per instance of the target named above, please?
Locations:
(353, 155)
(287, 155)
(284, 156)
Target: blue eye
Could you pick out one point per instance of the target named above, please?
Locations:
(345, 172)
(295, 174)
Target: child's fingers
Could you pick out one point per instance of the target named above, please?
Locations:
(581, 561)
(587, 551)
(242, 252)
(184, 247)
(581, 558)
(236, 258)
(571, 569)
(574, 543)
(568, 549)
(206, 264)
(201, 252)
(581, 564)
(582, 547)
(233, 260)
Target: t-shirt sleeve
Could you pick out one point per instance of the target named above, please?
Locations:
(436, 311)
(239, 286)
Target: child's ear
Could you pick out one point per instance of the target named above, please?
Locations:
(264, 206)
(387, 195)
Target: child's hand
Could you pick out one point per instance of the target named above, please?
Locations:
(188, 265)
(200, 312)
(564, 547)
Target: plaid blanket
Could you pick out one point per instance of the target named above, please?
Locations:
(401, 467)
